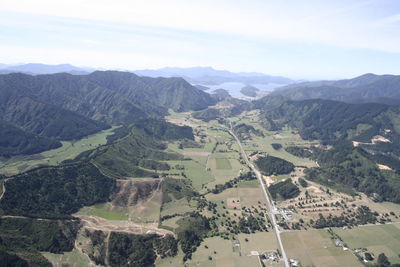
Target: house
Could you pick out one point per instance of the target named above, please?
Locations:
(294, 262)
(339, 243)
(254, 253)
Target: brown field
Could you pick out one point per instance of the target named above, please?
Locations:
(240, 193)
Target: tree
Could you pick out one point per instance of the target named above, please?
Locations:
(368, 256)
(383, 261)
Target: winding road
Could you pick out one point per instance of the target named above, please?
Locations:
(270, 203)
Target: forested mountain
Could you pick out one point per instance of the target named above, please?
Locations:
(64, 106)
(365, 88)
(15, 141)
(330, 120)
(362, 136)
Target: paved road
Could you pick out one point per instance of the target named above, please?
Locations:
(270, 203)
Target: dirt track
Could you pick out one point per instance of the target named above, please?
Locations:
(97, 223)
(4, 189)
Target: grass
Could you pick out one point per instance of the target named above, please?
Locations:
(73, 259)
(68, 150)
(315, 248)
(249, 184)
(1, 187)
(177, 206)
(249, 196)
(260, 241)
(170, 262)
(195, 171)
(285, 138)
(224, 175)
(103, 211)
(206, 169)
(224, 254)
(171, 222)
(376, 238)
(223, 164)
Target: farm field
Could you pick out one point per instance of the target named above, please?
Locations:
(193, 170)
(214, 162)
(224, 167)
(240, 193)
(68, 150)
(260, 242)
(376, 238)
(315, 248)
(286, 138)
(223, 164)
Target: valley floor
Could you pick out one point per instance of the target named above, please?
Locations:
(209, 166)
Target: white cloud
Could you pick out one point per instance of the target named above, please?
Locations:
(339, 23)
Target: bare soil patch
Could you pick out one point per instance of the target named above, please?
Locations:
(132, 192)
(384, 167)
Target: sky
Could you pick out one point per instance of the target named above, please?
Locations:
(297, 39)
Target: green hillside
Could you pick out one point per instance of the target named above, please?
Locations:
(55, 192)
(330, 120)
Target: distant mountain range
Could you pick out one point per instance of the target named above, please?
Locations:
(37, 68)
(365, 88)
(195, 75)
(210, 76)
(64, 106)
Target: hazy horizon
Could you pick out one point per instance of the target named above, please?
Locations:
(90, 68)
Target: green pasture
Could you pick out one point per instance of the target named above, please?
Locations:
(104, 211)
(68, 150)
(376, 238)
(315, 248)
